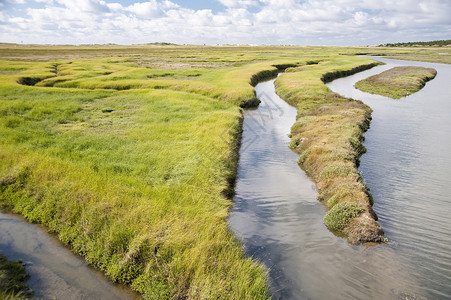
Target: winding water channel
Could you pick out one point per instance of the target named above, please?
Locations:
(407, 167)
(56, 273)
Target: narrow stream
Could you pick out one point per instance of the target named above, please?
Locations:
(279, 219)
(56, 273)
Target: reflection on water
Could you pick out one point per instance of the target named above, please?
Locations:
(279, 219)
(56, 273)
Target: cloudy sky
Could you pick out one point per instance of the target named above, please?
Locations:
(301, 22)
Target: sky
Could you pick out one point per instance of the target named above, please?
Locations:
(269, 22)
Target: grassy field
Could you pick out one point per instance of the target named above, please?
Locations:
(397, 82)
(135, 178)
(129, 154)
(427, 54)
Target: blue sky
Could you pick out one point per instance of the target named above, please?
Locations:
(301, 22)
(214, 5)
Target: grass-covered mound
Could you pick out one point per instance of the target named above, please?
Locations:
(397, 82)
(328, 135)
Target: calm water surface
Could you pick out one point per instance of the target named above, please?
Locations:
(56, 273)
(277, 215)
(408, 169)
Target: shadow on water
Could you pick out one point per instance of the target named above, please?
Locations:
(56, 272)
(279, 219)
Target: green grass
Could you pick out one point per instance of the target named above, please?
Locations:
(137, 191)
(133, 166)
(438, 55)
(136, 181)
(427, 54)
(12, 280)
(328, 135)
(397, 82)
(129, 153)
(341, 214)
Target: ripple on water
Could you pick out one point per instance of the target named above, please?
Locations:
(408, 168)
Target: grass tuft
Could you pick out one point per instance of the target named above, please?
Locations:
(339, 216)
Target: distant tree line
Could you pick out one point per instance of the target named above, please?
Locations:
(162, 44)
(440, 43)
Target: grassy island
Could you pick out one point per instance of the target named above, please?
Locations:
(328, 135)
(397, 82)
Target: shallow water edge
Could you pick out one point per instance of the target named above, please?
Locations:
(55, 271)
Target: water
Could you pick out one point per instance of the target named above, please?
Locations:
(279, 219)
(408, 169)
(56, 273)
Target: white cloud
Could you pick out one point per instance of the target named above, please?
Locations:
(151, 9)
(361, 18)
(115, 6)
(238, 3)
(89, 6)
(16, 1)
(288, 4)
(243, 21)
